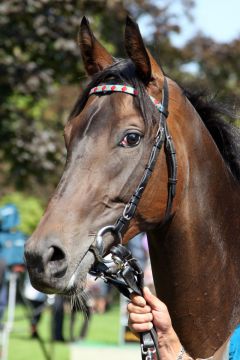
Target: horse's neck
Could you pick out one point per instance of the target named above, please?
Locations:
(195, 258)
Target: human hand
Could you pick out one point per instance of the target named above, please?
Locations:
(148, 310)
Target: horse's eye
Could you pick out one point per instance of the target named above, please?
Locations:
(131, 139)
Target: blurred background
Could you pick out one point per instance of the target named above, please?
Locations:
(197, 42)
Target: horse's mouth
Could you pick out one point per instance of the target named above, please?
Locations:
(77, 280)
(72, 281)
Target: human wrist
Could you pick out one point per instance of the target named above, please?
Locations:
(169, 345)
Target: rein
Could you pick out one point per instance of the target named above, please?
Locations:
(127, 276)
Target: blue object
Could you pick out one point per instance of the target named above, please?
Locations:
(12, 247)
(9, 217)
(234, 350)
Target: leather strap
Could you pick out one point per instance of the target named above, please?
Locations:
(128, 279)
(130, 276)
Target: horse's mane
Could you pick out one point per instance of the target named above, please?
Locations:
(225, 134)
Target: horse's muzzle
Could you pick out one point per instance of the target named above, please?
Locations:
(47, 265)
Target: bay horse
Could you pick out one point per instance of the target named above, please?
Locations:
(195, 251)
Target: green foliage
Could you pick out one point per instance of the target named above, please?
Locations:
(39, 54)
(219, 67)
(39, 59)
(30, 209)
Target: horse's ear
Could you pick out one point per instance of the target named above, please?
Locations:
(95, 56)
(147, 68)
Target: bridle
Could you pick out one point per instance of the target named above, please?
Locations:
(162, 137)
(128, 277)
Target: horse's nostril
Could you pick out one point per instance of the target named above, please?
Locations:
(56, 262)
(56, 254)
(46, 263)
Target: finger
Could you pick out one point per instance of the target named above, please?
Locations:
(140, 318)
(140, 327)
(153, 301)
(138, 309)
(138, 300)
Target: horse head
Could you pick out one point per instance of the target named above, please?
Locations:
(108, 139)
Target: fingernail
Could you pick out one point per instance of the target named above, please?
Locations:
(142, 302)
(150, 326)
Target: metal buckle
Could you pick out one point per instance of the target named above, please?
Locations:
(126, 217)
(129, 210)
(149, 352)
(160, 132)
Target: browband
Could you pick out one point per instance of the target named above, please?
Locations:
(105, 88)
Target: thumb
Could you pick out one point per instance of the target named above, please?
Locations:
(152, 300)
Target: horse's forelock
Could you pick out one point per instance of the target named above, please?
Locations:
(121, 72)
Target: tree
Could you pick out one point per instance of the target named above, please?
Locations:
(218, 63)
(39, 56)
(41, 73)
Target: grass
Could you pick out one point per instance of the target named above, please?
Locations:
(103, 329)
(22, 347)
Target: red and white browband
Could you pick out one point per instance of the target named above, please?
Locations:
(124, 89)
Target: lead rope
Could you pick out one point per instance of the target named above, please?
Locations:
(127, 276)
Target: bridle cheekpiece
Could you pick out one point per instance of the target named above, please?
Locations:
(127, 276)
(162, 137)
